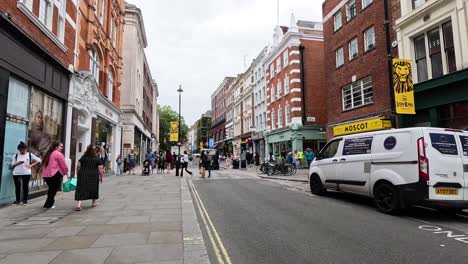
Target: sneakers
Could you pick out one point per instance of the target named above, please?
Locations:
(16, 203)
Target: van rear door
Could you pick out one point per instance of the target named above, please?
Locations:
(446, 179)
(463, 137)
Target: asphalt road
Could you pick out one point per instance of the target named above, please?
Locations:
(263, 221)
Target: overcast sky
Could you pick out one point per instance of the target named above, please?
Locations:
(197, 43)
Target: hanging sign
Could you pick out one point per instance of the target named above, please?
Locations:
(403, 87)
(173, 132)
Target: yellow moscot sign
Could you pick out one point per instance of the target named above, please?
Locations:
(403, 87)
(362, 126)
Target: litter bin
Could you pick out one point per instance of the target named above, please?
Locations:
(235, 164)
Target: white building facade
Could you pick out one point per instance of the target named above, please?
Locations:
(260, 107)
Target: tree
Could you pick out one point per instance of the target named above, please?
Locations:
(166, 116)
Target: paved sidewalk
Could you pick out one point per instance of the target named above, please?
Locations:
(139, 219)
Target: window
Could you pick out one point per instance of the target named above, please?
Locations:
(101, 12)
(433, 38)
(278, 65)
(285, 59)
(272, 92)
(330, 150)
(418, 3)
(337, 21)
(357, 94)
(353, 49)
(420, 57)
(280, 117)
(28, 3)
(286, 84)
(110, 85)
(339, 57)
(46, 13)
(369, 39)
(350, 10)
(287, 111)
(61, 19)
(264, 119)
(273, 119)
(365, 3)
(449, 47)
(444, 143)
(272, 70)
(279, 89)
(94, 64)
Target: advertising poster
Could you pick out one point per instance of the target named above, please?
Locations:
(173, 132)
(45, 124)
(357, 146)
(403, 87)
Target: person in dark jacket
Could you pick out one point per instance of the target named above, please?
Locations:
(207, 162)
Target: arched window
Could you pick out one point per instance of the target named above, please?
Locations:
(110, 85)
(94, 65)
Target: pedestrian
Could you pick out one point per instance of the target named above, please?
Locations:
(257, 159)
(300, 158)
(289, 158)
(296, 159)
(185, 165)
(271, 158)
(149, 156)
(90, 170)
(54, 168)
(119, 165)
(169, 161)
(309, 155)
(161, 163)
(21, 165)
(207, 163)
(283, 153)
(131, 162)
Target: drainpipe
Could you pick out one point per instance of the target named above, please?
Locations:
(389, 65)
(75, 55)
(301, 49)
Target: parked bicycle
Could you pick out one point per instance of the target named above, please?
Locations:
(275, 168)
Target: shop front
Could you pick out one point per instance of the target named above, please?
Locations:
(440, 102)
(33, 91)
(259, 144)
(92, 119)
(295, 137)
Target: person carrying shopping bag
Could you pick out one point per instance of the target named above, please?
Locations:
(90, 172)
(21, 165)
(54, 168)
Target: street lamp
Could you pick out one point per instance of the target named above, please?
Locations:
(178, 135)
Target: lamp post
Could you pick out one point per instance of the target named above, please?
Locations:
(178, 135)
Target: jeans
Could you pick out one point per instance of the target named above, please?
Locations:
(54, 184)
(18, 179)
(119, 169)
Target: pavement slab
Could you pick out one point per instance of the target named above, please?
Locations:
(129, 219)
(154, 227)
(147, 253)
(104, 229)
(83, 256)
(24, 245)
(165, 237)
(114, 240)
(74, 242)
(24, 233)
(65, 231)
(36, 257)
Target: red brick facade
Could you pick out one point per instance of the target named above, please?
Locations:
(18, 15)
(371, 63)
(219, 110)
(93, 34)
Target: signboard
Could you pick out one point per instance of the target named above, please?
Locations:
(444, 143)
(173, 132)
(357, 146)
(362, 126)
(211, 143)
(403, 87)
(464, 141)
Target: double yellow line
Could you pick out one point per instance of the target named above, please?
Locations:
(218, 247)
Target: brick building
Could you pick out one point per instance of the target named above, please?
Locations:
(219, 109)
(93, 112)
(37, 40)
(296, 94)
(356, 62)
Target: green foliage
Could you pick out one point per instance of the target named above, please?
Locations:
(167, 115)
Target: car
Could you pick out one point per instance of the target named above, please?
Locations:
(398, 168)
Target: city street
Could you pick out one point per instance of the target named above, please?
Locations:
(270, 221)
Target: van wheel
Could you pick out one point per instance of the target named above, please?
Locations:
(387, 198)
(316, 186)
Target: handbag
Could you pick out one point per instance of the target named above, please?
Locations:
(69, 185)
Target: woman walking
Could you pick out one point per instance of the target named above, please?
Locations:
(131, 162)
(296, 159)
(54, 168)
(169, 161)
(21, 165)
(119, 165)
(90, 171)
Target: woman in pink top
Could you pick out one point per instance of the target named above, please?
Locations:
(53, 170)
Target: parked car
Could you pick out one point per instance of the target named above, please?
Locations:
(398, 168)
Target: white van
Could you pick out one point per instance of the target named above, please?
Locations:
(398, 167)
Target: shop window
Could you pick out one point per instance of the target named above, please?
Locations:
(369, 39)
(353, 49)
(94, 65)
(420, 56)
(357, 94)
(337, 21)
(350, 10)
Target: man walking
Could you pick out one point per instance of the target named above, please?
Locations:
(184, 162)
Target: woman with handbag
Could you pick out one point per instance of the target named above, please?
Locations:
(90, 171)
(54, 168)
(21, 165)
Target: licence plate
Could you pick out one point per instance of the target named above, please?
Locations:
(444, 191)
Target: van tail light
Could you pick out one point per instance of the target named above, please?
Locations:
(423, 162)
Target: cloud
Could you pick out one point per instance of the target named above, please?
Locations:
(198, 43)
